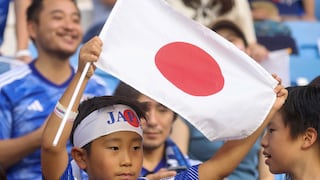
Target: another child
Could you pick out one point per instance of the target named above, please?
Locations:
(291, 143)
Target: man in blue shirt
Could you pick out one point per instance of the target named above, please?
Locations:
(29, 93)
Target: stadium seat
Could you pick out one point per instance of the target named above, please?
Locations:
(303, 69)
(306, 35)
(306, 65)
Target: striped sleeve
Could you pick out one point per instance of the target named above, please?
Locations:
(189, 174)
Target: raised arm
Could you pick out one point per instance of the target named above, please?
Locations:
(54, 159)
(232, 152)
(22, 36)
(309, 8)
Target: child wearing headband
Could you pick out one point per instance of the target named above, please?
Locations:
(107, 136)
(105, 132)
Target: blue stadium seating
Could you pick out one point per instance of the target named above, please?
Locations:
(306, 35)
(307, 69)
(307, 63)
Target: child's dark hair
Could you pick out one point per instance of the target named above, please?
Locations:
(315, 81)
(95, 103)
(302, 110)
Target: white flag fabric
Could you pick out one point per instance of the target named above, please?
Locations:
(186, 67)
(278, 63)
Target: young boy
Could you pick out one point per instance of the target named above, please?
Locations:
(161, 155)
(106, 134)
(123, 162)
(291, 143)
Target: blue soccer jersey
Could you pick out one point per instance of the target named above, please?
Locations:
(192, 173)
(26, 100)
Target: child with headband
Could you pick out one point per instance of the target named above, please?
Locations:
(105, 132)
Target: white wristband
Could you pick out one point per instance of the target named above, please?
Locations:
(23, 52)
(60, 111)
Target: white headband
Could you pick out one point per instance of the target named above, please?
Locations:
(105, 121)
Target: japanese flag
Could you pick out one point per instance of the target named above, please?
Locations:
(186, 67)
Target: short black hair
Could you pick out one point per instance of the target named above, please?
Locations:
(95, 103)
(227, 24)
(302, 110)
(315, 81)
(33, 11)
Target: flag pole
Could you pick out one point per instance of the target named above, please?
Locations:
(73, 98)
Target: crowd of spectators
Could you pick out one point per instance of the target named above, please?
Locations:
(29, 93)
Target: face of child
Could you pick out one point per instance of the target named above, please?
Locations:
(158, 126)
(233, 38)
(281, 151)
(115, 156)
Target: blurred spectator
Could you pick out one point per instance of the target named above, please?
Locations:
(22, 37)
(294, 9)
(267, 20)
(269, 28)
(238, 11)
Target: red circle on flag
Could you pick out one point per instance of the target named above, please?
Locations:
(131, 118)
(190, 69)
